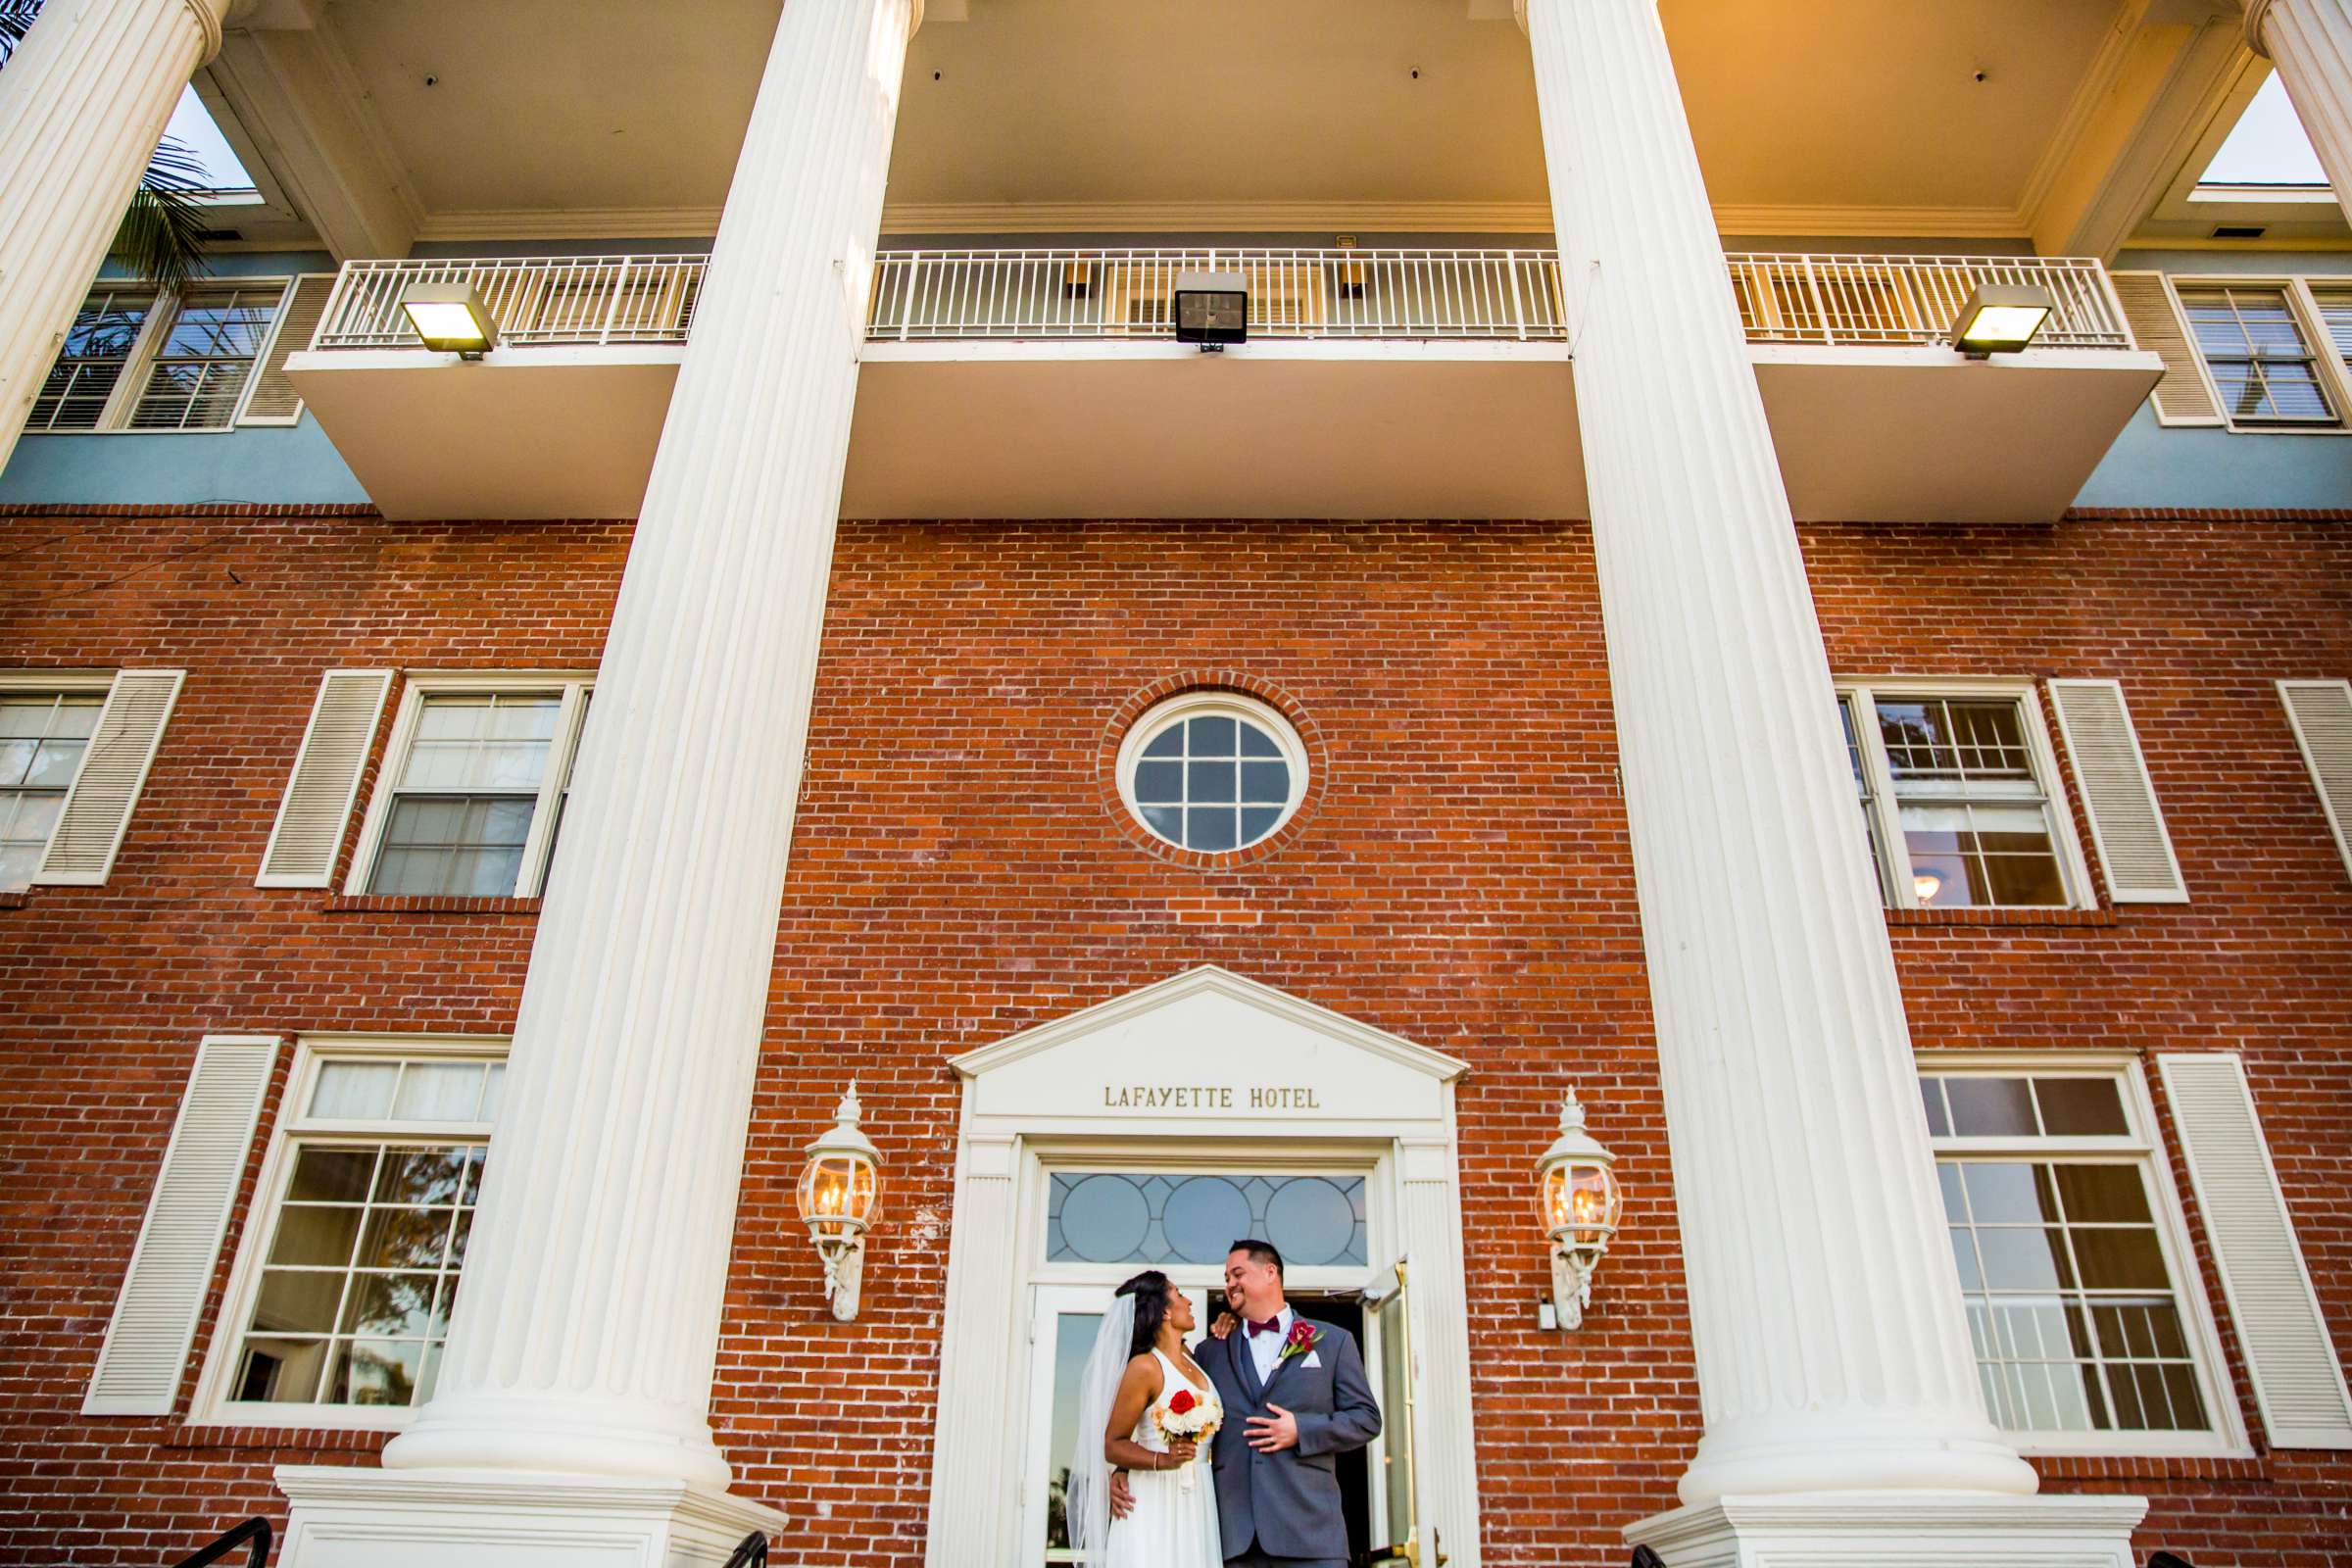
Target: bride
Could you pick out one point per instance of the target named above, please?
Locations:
(1137, 1375)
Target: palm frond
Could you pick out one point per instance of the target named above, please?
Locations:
(163, 235)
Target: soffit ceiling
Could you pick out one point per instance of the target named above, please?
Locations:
(564, 105)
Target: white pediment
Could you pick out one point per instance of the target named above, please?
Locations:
(1209, 1047)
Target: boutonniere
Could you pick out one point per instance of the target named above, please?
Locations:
(1302, 1338)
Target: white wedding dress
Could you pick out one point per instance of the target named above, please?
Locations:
(1174, 1525)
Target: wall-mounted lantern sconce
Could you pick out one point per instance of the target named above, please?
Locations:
(838, 1190)
(1577, 1196)
(1212, 309)
(450, 319)
(2001, 318)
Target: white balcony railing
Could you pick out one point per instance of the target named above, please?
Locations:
(1293, 293)
(1852, 301)
(569, 299)
(1831, 301)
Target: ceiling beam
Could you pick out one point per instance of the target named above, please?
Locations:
(308, 117)
(2166, 72)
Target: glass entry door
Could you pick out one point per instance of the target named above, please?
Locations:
(1389, 1363)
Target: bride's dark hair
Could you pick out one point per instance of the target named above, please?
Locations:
(1151, 1292)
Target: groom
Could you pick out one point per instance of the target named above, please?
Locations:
(1298, 1391)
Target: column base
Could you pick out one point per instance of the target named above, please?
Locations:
(1895, 1529)
(349, 1516)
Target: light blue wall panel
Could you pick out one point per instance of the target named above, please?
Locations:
(257, 464)
(2152, 466)
(254, 464)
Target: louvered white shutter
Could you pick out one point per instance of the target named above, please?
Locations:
(2297, 1381)
(310, 817)
(97, 811)
(171, 1266)
(2134, 849)
(274, 399)
(2185, 395)
(2321, 712)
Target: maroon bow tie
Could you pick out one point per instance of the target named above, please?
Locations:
(1267, 1327)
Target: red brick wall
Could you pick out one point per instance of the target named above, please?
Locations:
(1460, 876)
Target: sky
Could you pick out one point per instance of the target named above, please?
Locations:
(2268, 147)
(194, 130)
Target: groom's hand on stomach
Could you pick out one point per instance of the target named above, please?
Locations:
(1271, 1433)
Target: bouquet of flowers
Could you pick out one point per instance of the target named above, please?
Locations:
(1193, 1419)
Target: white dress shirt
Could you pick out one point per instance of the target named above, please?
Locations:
(1265, 1349)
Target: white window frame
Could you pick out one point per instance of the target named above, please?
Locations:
(1885, 820)
(2335, 379)
(1165, 714)
(75, 683)
(139, 364)
(2141, 1148)
(575, 686)
(212, 1406)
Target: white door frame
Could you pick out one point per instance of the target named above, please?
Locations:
(1205, 1068)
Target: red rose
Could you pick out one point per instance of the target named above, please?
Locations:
(1303, 1333)
(1183, 1401)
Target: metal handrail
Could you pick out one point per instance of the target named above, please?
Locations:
(1864, 301)
(591, 300)
(750, 1553)
(1126, 294)
(254, 1534)
(1293, 293)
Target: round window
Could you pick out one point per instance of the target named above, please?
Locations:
(1212, 771)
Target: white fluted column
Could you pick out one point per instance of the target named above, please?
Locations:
(589, 1318)
(2310, 41)
(1832, 1350)
(82, 104)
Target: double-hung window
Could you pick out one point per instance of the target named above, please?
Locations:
(1959, 795)
(341, 1302)
(2264, 366)
(203, 359)
(138, 358)
(45, 733)
(99, 347)
(474, 786)
(2090, 1332)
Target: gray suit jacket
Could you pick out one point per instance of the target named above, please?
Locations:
(1287, 1502)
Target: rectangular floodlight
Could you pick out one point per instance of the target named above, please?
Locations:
(450, 319)
(1212, 308)
(2001, 318)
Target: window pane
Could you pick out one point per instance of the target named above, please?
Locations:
(1159, 782)
(2001, 1194)
(332, 1175)
(1989, 1107)
(405, 1238)
(2122, 1258)
(422, 1175)
(2103, 1195)
(1213, 736)
(315, 1237)
(280, 1371)
(2080, 1107)
(1177, 1217)
(1211, 781)
(354, 1091)
(439, 1090)
(2071, 1311)
(374, 1372)
(298, 1300)
(458, 845)
(97, 346)
(389, 1305)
